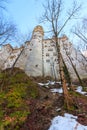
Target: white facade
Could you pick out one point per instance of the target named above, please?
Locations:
(39, 57)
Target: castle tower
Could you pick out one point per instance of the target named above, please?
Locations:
(34, 62)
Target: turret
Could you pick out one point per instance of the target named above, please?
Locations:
(38, 29)
(34, 63)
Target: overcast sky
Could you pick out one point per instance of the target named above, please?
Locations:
(26, 13)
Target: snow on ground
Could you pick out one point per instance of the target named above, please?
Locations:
(79, 90)
(48, 83)
(44, 84)
(57, 90)
(68, 122)
(58, 83)
(60, 90)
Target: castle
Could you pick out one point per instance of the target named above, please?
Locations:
(39, 56)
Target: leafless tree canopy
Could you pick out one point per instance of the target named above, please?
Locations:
(7, 29)
(2, 4)
(81, 32)
(54, 11)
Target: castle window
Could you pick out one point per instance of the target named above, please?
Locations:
(47, 54)
(34, 36)
(52, 44)
(8, 65)
(36, 65)
(54, 54)
(11, 57)
(50, 49)
(30, 49)
(48, 60)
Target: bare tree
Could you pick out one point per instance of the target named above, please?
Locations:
(2, 4)
(22, 43)
(74, 68)
(81, 32)
(21, 38)
(7, 31)
(52, 15)
(78, 32)
(7, 28)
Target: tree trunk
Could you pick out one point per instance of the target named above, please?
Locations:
(67, 100)
(16, 60)
(66, 72)
(76, 71)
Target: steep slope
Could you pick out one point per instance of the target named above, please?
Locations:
(15, 90)
(24, 105)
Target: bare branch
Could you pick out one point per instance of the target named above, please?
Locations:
(72, 13)
(7, 31)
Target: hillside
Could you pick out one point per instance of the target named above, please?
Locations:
(26, 103)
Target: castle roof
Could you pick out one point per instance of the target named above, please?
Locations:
(39, 29)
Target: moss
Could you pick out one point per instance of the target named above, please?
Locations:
(76, 94)
(15, 119)
(20, 114)
(1, 125)
(1, 75)
(32, 90)
(2, 95)
(1, 113)
(16, 89)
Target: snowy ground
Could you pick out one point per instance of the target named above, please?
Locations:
(68, 122)
(79, 90)
(47, 84)
(57, 90)
(60, 90)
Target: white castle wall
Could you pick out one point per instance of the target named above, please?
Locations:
(34, 62)
(5, 51)
(50, 58)
(39, 57)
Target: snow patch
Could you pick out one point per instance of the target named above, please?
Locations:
(58, 109)
(57, 90)
(68, 122)
(46, 84)
(79, 90)
(52, 82)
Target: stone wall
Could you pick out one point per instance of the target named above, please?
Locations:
(39, 56)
